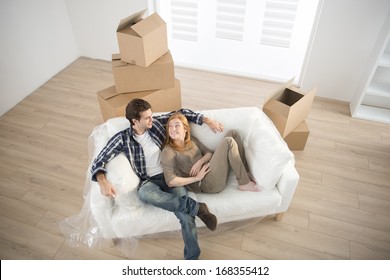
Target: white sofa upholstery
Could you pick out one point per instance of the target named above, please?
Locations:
(270, 160)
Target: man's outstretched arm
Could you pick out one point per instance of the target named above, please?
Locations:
(214, 125)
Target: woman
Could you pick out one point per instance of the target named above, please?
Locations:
(187, 162)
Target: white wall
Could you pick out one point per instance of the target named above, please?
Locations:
(95, 21)
(40, 38)
(346, 34)
(36, 43)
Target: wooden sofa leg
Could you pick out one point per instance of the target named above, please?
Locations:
(279, 216)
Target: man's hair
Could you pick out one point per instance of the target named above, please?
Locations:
(135, 108)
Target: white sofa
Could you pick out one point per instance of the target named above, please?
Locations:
(270, 161)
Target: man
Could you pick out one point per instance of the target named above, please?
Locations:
(142, 143)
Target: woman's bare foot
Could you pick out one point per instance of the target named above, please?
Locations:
(251, 187)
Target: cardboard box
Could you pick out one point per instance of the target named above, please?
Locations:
(130, 77)
(142, 41)
(296, 139)
(113, 104)
(288, 107)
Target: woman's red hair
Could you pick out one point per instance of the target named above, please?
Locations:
(187, 138)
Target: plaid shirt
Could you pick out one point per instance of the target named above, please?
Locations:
(124, 141)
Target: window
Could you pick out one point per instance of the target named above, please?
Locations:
(265, 39)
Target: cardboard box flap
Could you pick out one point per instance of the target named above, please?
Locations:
(117, 62)
(303, 108)
(116, 59)
(130, 20)
(279, 107)
(152, 22)
(163, 100)
(277, 93)
(108, 93)
(116, 56)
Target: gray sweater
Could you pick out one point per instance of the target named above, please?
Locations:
(179, 164)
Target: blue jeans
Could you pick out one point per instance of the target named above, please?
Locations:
(156, 192)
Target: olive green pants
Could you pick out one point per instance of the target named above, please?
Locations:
(229, 154)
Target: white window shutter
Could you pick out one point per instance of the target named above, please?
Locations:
(184, 19)
(278, 24)
(230, 19)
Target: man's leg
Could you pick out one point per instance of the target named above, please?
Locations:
(188, 228)
(151, 192)
(185, 208)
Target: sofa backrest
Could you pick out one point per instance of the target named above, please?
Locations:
(240, 119)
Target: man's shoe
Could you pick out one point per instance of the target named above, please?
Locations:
(208, 218)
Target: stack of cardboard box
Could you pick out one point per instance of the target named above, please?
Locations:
(288, 109)
(144, 68)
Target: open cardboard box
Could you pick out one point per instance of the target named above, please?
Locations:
(142, 40)
(113, 104)
(129, 77)
(288, 107)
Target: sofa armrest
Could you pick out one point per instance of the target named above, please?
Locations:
(287, 185)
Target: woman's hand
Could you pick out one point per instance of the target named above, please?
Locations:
(182, 181)
(196, 168)
(203, 171)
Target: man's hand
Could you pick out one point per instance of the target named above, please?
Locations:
(213, 125)
(106, 188)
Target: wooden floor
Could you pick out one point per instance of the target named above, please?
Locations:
(341, 209)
